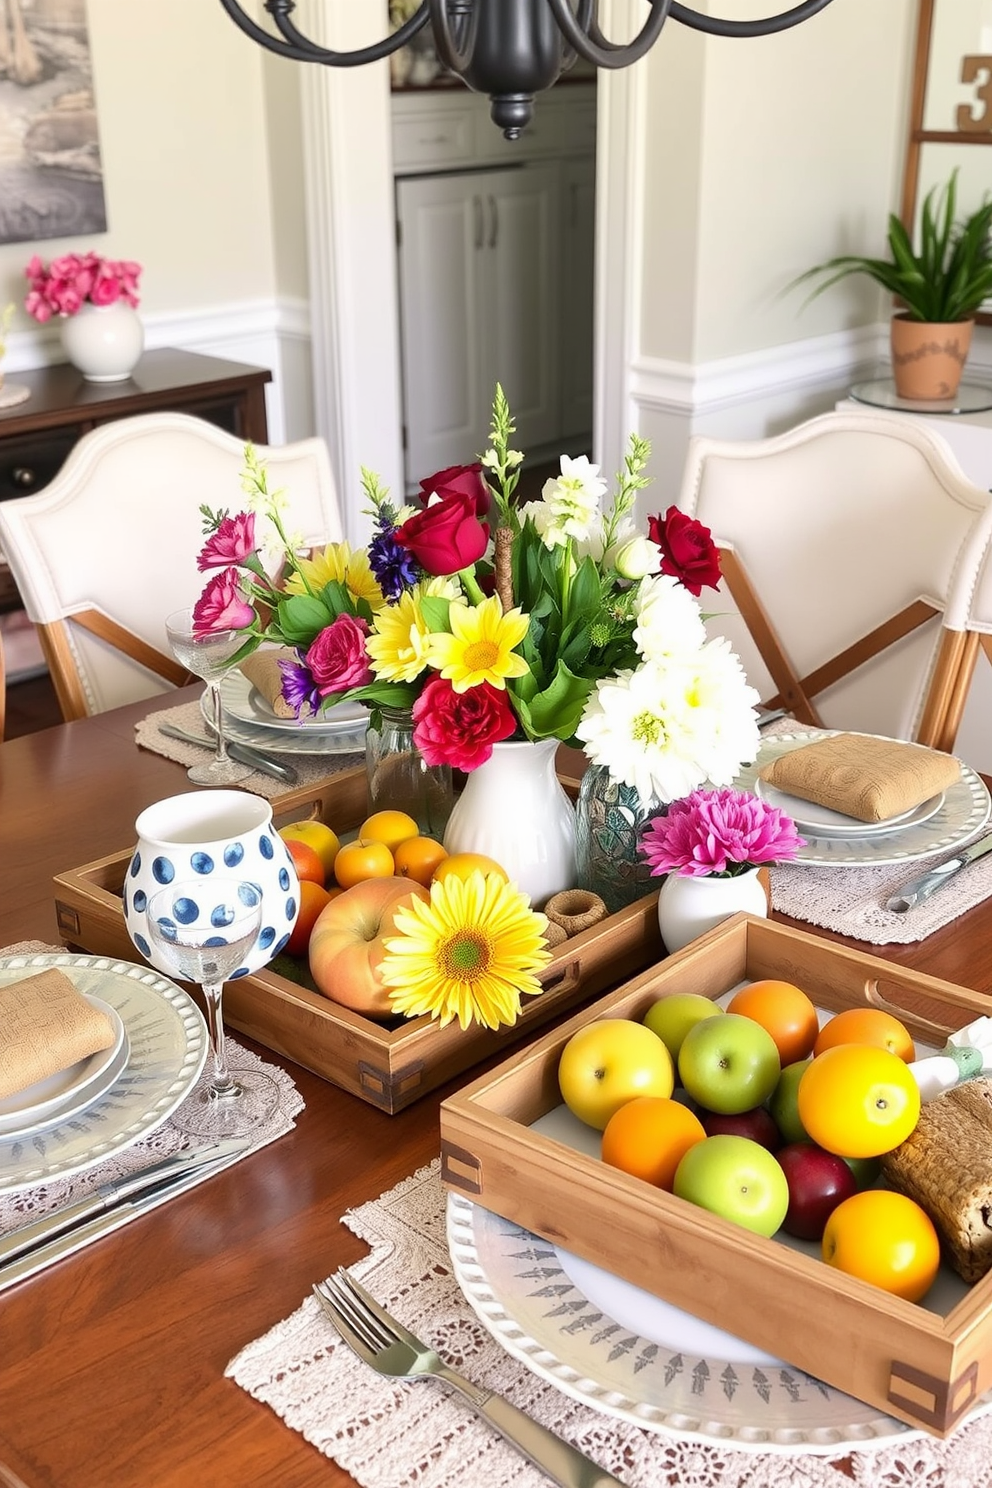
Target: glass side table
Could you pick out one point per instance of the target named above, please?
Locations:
(881, 393)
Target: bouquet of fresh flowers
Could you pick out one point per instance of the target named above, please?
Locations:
(718, 834)
(75, 279)
(491, 620)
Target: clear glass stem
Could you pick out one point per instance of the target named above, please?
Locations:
(223, 1085)
(218, 721)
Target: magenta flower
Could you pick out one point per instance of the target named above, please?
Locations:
(233, 542)
(222, 606)
(73, 279)
(718, 834)
(337, 659)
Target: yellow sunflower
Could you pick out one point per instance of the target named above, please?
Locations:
(467, 954)
(480, 645)
(338, 562)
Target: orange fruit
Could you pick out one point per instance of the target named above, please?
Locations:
(784, 1011)
(306, 861)
(324, 842)
(390, 827)
(885, 1238)
(417, 858)
(867, 1026)
(649, 1136)
(313, 897)
(460, 865)
(858, 1101)
(360, 860)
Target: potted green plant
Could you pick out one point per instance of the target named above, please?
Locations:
(939, 288)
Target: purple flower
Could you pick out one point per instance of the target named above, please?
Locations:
(298, 688)
(718, 833)
(393, 566)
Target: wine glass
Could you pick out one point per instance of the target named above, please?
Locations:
(202, 929)
(208, 656)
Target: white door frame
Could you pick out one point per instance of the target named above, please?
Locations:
(351, 248)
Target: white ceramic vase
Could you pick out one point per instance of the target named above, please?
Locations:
(513, 809)
(688, 907)
(104, 342)
(212, 834)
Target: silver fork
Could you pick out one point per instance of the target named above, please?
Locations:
(382, 1342)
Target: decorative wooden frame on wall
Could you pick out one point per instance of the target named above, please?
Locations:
(974, 124)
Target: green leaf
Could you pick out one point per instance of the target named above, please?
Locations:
(435, 612)
(555, 711)
(301, 618)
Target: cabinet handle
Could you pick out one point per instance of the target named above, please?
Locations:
(493, 222)
(24, 478)
(479, 231)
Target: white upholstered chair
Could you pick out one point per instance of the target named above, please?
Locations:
(109, 547)
(850, 547)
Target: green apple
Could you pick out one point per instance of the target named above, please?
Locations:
(783, 1103)
(608, 1063)
(729, 1064)
(672, 1017)
(865, 1169)
(737, 1179)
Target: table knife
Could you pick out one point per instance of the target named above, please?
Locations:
(921, 888)
(243, 753)
(116, 1193)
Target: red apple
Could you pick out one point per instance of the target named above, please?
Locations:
(347, 943)
(756, 1125)
(818, 1181)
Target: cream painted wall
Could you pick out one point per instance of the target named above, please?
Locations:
(281, 80)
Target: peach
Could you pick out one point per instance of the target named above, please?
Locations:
(347, 942)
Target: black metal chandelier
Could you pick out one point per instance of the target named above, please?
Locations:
(510, 49)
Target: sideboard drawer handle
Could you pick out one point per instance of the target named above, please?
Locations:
(24, 477)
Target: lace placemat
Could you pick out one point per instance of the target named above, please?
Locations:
(311, 768)
(394, 1434)
(22, 1205)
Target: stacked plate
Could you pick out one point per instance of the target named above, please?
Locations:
(249, 719)
(944, 822)
(84, 1114)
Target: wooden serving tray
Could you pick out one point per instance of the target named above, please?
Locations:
(390, 1067)
(925, 1368)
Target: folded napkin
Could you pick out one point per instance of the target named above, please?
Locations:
(47, 1025)
(262, 671)
(861, 776)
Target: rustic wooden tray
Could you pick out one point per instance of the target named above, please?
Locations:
(390, 1067)
(923, 1367)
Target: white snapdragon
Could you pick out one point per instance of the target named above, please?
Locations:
(571, 503)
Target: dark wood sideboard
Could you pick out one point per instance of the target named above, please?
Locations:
(37, 435)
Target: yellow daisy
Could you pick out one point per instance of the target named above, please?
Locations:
(467, 954)
(480, 645)
(339, 563)
(397, 645)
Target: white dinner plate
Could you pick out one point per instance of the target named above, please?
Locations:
(68, 1091)
(962, 814)
(819, 821)
(290, 737)
(168, 1043)
(243, 702)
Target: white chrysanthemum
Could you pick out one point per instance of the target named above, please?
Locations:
(571, 502)
(669, 621)
(670, 725)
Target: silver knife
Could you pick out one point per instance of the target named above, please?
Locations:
(111, 1195)
(243, 753)
(919, 889)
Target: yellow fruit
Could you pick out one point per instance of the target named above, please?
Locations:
(460, 865)
(360, 860)
(315, 834)
(418, 858)
(390, 827)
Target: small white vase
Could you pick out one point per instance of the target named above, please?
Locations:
(513, 809)
(688, 907)
(104, 342)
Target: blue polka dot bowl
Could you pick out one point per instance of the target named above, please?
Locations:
(221, 833)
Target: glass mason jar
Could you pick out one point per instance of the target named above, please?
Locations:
(609, 819)
(399, 777)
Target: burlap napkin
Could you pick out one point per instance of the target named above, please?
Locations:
(861, 776)
(262, 671)
(47, 1025)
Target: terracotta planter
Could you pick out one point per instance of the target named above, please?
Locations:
(928, 360)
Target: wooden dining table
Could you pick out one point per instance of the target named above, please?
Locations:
(112, 1361)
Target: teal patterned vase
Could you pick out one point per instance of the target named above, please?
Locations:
(609, 821)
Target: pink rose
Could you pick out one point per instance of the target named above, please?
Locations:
(222, 606)
(233, 541)
(105, 291)
(337, 659)
(460, 728)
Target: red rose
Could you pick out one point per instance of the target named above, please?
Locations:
(458, 480)
(460, 728)
(688, 551)
(446, 536)
(337, 657)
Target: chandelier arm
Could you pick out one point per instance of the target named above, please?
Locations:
(596, 49)
(452, 56)
(300, 48)
(716, 26)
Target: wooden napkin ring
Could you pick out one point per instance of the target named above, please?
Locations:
(47, 1025)
(575, 910)
(554, 935)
